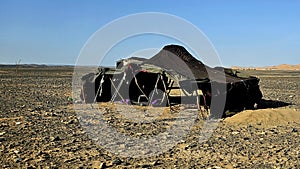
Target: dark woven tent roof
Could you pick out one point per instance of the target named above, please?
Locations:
(179, 60)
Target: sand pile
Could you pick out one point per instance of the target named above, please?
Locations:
(265, 117)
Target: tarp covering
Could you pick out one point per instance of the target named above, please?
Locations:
(176, 58)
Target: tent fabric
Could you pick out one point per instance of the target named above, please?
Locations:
(176, 58)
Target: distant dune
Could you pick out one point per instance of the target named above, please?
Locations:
(278, 67)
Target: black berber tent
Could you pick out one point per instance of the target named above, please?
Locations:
(150, 81)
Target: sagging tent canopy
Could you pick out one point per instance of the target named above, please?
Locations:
(181, 65)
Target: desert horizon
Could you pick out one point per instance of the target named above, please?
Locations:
(282, 66)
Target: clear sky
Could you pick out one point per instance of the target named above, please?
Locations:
(245, 33)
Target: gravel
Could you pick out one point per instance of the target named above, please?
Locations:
(40, 129)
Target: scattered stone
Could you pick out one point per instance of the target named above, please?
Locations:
(294, 130)
(145, 166)
(235, 132)
(102, 166)
(98, 165)
(155, 163)
(246, 138)
(56, 138)
(116, 161)
(17, 160)
(69, 160)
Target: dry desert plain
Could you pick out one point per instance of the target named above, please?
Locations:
(40, 129)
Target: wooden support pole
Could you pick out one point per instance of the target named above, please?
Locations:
(165, 92)
(198, 100)
(117, 92)
(155, 89)
(99, 88)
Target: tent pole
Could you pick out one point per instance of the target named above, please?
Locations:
(116, 92)
(165, 91)
(198, 100)
(137, 84)
(83, 94)
(155, 89)
(99, 88)
(118, 88)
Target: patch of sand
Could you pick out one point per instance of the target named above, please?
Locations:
(265, 117)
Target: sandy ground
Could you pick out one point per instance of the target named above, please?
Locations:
(40, 129)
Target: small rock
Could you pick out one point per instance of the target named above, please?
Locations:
(246, 138)
(145, 166)
(17, 160)
(139, 134)
(70, 122)
(78, 102)
(235, 132)
(216, 167)
(30, 167)
(56, 138)
(98, 165)
(102, 166)
(155, 163)
(68, 160)
(294, 130)
(116, 161)
(255, 106)
(205, 145)
(50, 114)
(18, 122)
(2, 133)
(45, 156)
(262, 133)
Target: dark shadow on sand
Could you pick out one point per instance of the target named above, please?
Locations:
(263, 104)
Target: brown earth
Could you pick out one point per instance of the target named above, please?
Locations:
(40, 129)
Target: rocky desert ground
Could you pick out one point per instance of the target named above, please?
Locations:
(39, 127)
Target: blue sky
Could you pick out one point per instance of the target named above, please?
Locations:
(245, 33)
